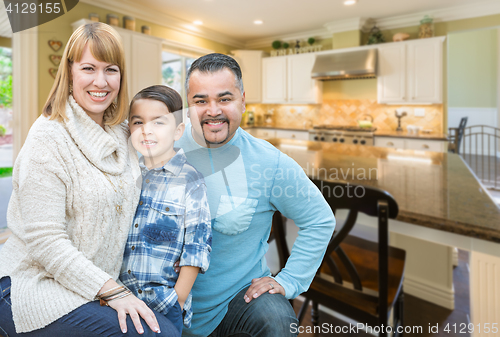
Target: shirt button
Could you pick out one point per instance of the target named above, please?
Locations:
(167, 209)
(136, 225)
(147, 181)
(133, 247)
(140, 202)
(130, 271)
(139, 291)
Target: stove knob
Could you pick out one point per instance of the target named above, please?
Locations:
(334, 139)
(316, 138)
(363, 142)
(322, 138)
(341, 140)
(355, 141)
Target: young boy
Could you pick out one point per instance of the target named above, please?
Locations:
(172, 221)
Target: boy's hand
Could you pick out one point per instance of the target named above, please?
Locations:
(177, 269)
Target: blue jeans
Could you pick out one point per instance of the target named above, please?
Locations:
(174, 315)
(269, 315)
(89, 320)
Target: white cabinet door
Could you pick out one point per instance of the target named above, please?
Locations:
(392, 142)
(391, 79)
(425, 145)
(289, 134)
(265, 133)
(250, 62)
(146, 60)
(274, 78)
(127, 48)
(411, 144)
(301, 87)
(411, 72)
(425, 71)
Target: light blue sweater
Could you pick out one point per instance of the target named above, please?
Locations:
(247, 180)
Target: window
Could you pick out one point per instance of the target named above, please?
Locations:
(174, 68)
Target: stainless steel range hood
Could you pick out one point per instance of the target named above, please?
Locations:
(346, 65)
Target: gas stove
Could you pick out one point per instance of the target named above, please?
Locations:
(345, 134)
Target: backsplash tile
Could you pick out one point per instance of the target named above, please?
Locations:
(347, 112)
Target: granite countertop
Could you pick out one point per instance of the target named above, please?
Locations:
(433, 189)
(274, 127)
(399, 134)
(404, 134)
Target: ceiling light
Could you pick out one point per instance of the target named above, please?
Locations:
(349, 2)
(258, 22)
(198, 22)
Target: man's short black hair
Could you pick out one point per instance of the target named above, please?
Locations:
(164, 94)
(213, 63)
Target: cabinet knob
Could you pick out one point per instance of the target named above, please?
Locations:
(390, 144)
(293, 136)
(425, 146)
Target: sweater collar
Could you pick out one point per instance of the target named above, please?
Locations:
(105, 148)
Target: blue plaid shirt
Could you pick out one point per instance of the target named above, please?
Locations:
(172, 223)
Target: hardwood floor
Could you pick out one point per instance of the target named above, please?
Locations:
(417, 313)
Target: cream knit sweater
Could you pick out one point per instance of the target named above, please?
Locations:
(68, 235)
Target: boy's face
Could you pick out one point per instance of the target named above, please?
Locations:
(153, 131)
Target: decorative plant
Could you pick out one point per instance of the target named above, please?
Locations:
(375, 36)
(276, 44)
(286, 45)
(5, 78)
(311, 40)
(2, 130)
(6, 92)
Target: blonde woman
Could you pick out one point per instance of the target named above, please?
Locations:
(73, 201)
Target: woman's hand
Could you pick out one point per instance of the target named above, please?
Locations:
(131, 305)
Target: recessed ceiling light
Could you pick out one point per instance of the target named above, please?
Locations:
(258, 22)
(198, 22)
(349, 2)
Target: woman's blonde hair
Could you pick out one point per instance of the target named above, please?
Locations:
(105, 45)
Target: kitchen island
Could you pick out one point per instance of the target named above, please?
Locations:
(440, 202)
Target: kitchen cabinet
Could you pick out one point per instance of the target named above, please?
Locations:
(411, 72)
(142, 58)
(264, 133)
(250, 62)
(287, 79)
(290, 134)
(268, 133)
(411, 144)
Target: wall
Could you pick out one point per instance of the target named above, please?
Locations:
(473, 82)
(472, 66)
(60, 29)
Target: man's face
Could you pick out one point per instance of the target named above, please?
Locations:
(215, 107)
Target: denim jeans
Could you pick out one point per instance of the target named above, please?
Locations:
(174, 315)
(269, 315)
(89, 320)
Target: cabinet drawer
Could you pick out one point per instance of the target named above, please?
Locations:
(396, 143)
(300, 135)
(425, 145)
(265, 133)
